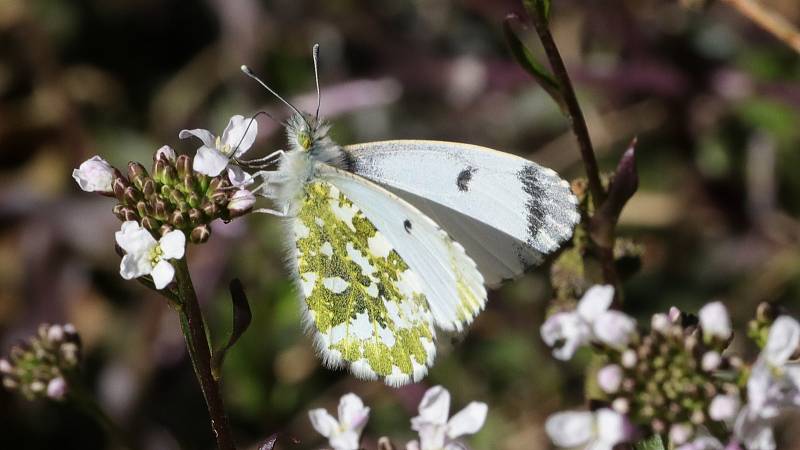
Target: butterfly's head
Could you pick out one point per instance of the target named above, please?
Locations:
(307, 134)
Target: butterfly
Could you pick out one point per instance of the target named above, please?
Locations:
(391, 241)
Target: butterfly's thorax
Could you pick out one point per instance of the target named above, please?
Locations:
(309, 144)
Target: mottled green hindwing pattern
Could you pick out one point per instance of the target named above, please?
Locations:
(363, 301)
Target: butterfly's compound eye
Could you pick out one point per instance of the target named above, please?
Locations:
(304, 139)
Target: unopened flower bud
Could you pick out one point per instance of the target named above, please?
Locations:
(194, 200)
(170, 176)
(210, 209)
(178, 219)
(149, 187)
(184, 165)
(165, 228)
(241, 203)
(711, 361)
(766, 312)
(10, 383)
(609, 378)
(698, 417)
(57, 389)
(119, 185)
(621, 405)
(629, 359)
(37, 386)
(5, 367)
(200, 234)
(55, 334)
(143, 208)
(189, 183)
(150, 223)
(69, 351)
(176, 197)
(216, 183)
(95, 175)
(160, 209)
(165, 153)
(675, 314)
(195, 217)
(131, 196)
(136, 173)
(220, 197)
(125, 213)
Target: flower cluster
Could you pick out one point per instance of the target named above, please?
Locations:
(41, 366)
(676, 380)
(178, 199)
(437, 431)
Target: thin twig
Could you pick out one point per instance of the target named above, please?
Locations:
(575, 115)
(769, 21)
(194, 330)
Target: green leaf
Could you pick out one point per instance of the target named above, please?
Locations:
(652, 443)
(242, 316)
(527, 61)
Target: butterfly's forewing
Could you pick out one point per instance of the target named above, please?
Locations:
(365, 305)
(506, 210)
(450, 279)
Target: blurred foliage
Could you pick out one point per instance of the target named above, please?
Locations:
(714, 101)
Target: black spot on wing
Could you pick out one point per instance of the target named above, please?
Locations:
(536, 191)
(407, 225)
(464, 177)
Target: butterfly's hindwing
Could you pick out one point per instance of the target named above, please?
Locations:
(364, 303)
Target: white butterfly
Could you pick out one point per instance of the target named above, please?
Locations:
(391, 240)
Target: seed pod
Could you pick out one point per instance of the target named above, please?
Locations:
(200, 234)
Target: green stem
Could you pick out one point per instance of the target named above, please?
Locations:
(83, 400)
(194, 331)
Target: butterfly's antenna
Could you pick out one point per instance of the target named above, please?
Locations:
(315, 56)
(253, 119)
(250, 74)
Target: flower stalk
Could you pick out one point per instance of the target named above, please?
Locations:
(194, 331)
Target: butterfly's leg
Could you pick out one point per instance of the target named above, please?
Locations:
(260, 163)
(268, 180)
(274, 212)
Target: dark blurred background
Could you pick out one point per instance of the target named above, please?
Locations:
(714, 101)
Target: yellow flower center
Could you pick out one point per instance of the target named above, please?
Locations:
(155, 255)
(225, 149)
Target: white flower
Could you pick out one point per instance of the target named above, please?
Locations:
(345, 433)
(715, 322)
(146, 256)
(167, 152)
(241, 202)
(436, 432)
(773, 386)
(57, 389)
(609, 378)
(94, 175)
(591, 320)
(215, 154)
(614, 329)
(599, 430)
(679, 433)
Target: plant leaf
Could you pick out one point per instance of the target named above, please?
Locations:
(528, 62)
(654, 442)
(241, 320)
(541, 7)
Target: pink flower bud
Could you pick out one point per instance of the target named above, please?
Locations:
(241, 202)
(609, 378)
(165, 152)
(57, 389)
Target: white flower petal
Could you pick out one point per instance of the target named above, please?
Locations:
(714, 321)
(209, 140)
(595, 301)
(172, 245)
(435, 405)
(567, 329)
(467, 421)
(431, 436)
(167, 152)
(571, 428)
(210, 161)
(614, 329)
(753, 431)
(323, 422)
(413, 445)
(162, 274)
(783, 340)
(612, 427)
(134, 239)
(134, 266)
(724, 407)
(352, 413)
(240, 134)
(94, 175)
(239, 177)
(346, 440)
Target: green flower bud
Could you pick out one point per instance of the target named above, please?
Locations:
(136, 173)
(183, 164)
